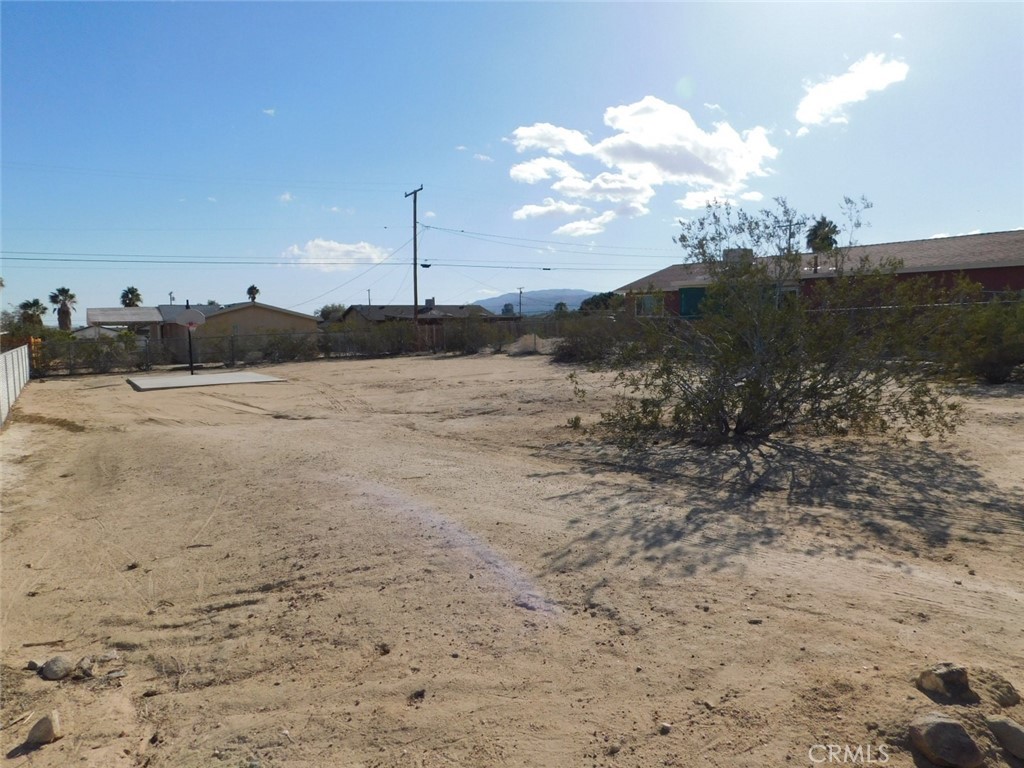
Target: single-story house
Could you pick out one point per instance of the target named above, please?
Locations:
(170, 338)
(242, 319)
(143, 320)
(94, 332)
(430, 313)
(994, 260)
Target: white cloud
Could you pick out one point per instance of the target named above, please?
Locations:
(958, 234)
(270, 112)
(653, 143)
(338, 256)
(551, 207)
(825, 102)
(542, 168)
(587, 227)
(802, 131)
(752, 197)
(697, 199)
(211, 199)
(286, 198)
(430, 215)
(897, 36)
(713, 107)
(483, 158)
(461, 148)
(551, 139)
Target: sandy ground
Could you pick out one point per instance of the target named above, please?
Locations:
(416, 562)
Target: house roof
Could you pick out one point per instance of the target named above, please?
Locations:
(170, 312)
(122, 315)
(241, 305)
(380, 313)
(95, 332)
(940, 254)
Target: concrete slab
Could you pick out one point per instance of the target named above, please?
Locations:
(176, 381)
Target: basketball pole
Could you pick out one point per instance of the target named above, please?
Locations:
(191, 367)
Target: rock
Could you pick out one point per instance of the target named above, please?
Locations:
(947, 680)
(56, 668)
(1009, 733)
(33, 665)
(997, 687)
(665, 729)
(46, 731)
(85, 667)
(944, 741)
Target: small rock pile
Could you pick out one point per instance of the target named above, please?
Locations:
(942, 738)
(48, 729)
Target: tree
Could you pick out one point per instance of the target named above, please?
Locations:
(64, 304)
(32, 312)
(603, 302)
(130, 297)
(330, 313)
(764, 358)
(508, 309)
(561, 308)
(822, 237)
(252, 292)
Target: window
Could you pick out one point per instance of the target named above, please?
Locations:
(650, 304)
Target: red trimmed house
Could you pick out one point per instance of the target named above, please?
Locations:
(995, 260)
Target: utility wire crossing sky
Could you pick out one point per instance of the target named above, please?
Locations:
(197, 149)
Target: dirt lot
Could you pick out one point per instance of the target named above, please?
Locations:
(416, 562)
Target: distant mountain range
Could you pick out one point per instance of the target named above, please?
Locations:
(536, 302)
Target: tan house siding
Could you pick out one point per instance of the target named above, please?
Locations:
(256, 319)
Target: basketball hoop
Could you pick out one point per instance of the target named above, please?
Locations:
(191, 319)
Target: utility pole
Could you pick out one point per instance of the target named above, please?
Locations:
(520, 303)
(415, 282)
(368, 302)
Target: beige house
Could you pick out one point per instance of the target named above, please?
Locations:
(244, 319)
(222, 330)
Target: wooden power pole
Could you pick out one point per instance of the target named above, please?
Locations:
(415, 277)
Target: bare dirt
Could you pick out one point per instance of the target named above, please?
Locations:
(417, 562)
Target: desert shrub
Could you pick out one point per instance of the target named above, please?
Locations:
(56, 353)
(286, 347)
(473, 335)
(106, 354)
(761, 358)
(992, 346)
(593, 338)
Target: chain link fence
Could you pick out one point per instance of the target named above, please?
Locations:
(128, 352)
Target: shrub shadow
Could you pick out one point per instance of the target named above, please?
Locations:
(687, 508)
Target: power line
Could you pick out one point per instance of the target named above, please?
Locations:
(515, 242)
(155, 176)
(175, 261)
(360, 276)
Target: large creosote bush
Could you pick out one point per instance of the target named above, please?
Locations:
(992, 346)
(846, 352)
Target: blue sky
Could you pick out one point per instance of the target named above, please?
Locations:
(198, 148)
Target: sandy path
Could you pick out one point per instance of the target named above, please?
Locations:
(414, 562)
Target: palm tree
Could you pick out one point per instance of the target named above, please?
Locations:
(821, 237)
(130, 297)
(252, 292)
(32, 312)
(63, 301)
